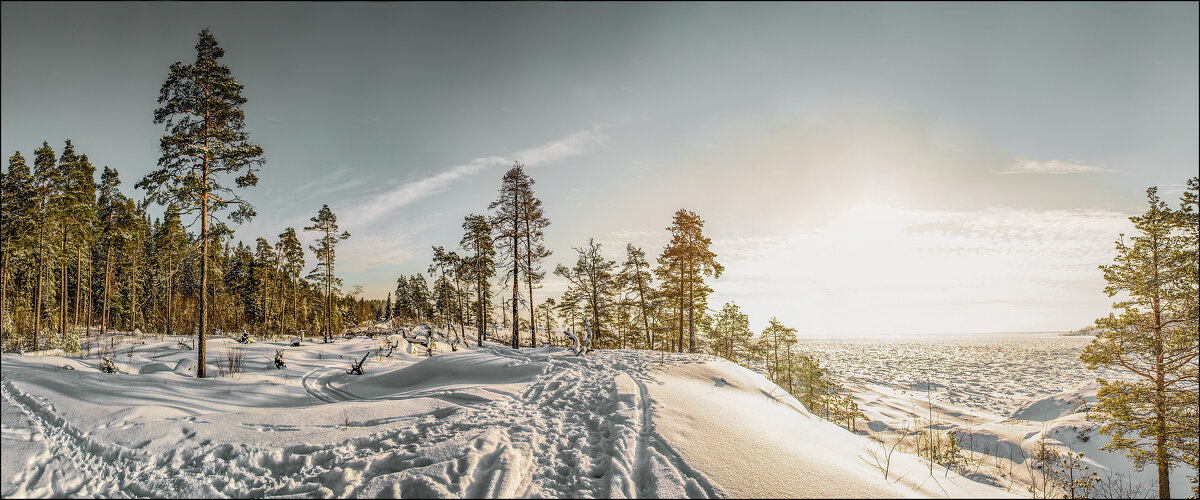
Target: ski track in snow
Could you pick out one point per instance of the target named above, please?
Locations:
(583, 428)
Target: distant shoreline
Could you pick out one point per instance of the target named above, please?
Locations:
(1058, 333)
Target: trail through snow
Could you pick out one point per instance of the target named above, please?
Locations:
(486, 422)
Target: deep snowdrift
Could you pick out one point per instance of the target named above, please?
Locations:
(487, 422)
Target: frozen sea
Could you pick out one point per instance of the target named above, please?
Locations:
(992, 372)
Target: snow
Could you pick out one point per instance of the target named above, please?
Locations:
(479, 422)
(1000, 394)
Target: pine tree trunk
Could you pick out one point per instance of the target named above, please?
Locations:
(679, 336)
(642, 305)
(202, 326)
(133, 294)
(479, 328)
(516, 266)
(78, 284)
(63, 301)
(89, 312)
(4, 287)
(691, 315)
(328, 297)
(296, 307)
(107, 290)
(170, 295)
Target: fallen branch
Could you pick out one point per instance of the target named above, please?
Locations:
(356, 368)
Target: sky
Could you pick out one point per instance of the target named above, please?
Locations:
(861, 168)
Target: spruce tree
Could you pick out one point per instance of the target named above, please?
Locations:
(403, 304)
(1151, 416)
(419, 297)
(325, 223)
(206, 141)
(18, 213)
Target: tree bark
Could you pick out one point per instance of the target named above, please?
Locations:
(516, 267)
(107, 290)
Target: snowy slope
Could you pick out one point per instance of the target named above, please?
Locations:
(488, 422)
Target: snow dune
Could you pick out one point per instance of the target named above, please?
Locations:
(480, 422)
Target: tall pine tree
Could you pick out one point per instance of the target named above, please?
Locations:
(291, 256)
(518, 229)
(206, 141)
(325, 223)
(1151, 416)
(683, 265)
(480, 265)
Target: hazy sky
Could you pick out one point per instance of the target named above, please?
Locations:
(861, 168)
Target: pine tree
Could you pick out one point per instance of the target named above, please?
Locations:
(170, 242)
(518, 229)
(635, 275)
(445, 296)
(1152, 416)
(291, 254)
(777, 337)
(480, 266)
(265, 262)
(109, 204)
(682, 267)
(732, 329)
(593, 279)
(74, 202)
(546, 308)
(535, 223)
(202, 110)
(325, 223)
(45, 177)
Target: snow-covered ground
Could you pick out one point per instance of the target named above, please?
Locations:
(479, 422)
(1000, 394)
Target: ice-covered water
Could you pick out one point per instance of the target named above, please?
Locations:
(990, 372)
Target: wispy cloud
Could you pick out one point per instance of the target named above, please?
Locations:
(1026, 166)
(566, 147)
(384, 203)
